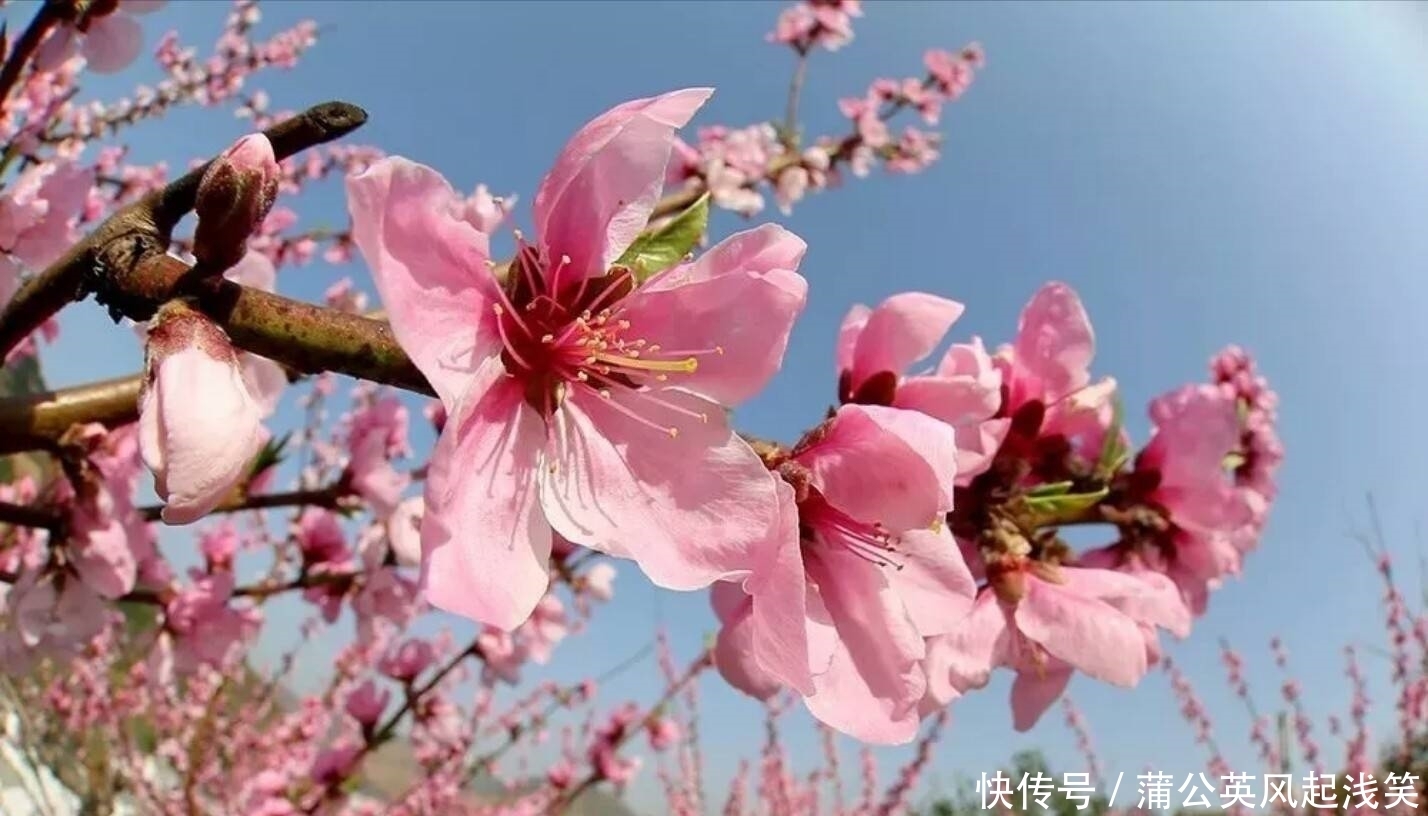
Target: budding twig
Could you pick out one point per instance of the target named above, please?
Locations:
(142, 229)
(327, 497)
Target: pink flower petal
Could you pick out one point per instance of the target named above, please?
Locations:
(884, 465)
(485, 547)
(691, 509)
(933, 581)
(848, 333)
(430, 269)
(734, 658)
(779, 589)
(1054, 342)
(112, 42)
(903, 329)
(201, 432)
(599, 194)
(1032, 694)
(1086, 632)
(876, 680)
(963, 659)
(733, 307)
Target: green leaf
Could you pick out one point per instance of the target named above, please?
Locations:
(270, 455)
(1066, 502)
(654, 252)
(1049, 489)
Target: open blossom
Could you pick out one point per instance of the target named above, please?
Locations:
(1043, 621)
(1047, 371)
(876, 347)
(859, 574)
(581, 399)
(202, 627)
(199, 425)
(107, 36)
(377, 433)
(827, 23)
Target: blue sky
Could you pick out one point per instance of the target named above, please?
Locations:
(1201, 173)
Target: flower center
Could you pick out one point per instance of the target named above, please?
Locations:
(562, 334)
(822, 524)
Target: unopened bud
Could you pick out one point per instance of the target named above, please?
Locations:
(234, 197)
(199, 427)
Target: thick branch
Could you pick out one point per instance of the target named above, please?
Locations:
(143, 228)
(37, 421)
(306, 338)
(22, 515)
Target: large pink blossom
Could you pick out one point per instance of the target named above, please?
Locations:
(859, 573)
(581, 399)
(109, 40)
(876, 347)
(1044, 621)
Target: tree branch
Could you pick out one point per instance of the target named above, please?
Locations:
(23, 515)
(306, 338)
(142, 229)
(37, 421)
(327, 497)
(25, 48)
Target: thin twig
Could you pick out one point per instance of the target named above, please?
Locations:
(25, 48)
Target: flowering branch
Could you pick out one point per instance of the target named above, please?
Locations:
(142, 230)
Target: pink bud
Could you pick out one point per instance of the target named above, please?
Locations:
(366, 703)
(664, 732)
(234, 197)
(199, 428)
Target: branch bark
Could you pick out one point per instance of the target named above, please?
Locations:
(37, 421)
(143, 229)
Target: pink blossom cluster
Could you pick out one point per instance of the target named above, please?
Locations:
(876, 569)
(738, 166)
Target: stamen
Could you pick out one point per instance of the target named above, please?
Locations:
(686, 366)
(632, 414)
(506, 339)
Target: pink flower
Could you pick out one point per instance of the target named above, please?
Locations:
(404, 531)
(503, 656)
(48, 616)
(581, 399)
(335, 764)
(408, 660)
(664, 732)
(202, 628)
(1049, 366)
(371, 441)
(859, 574)
(366, 703)
(599, 581)
(108, 39)
(320, 537)
(875, 347)
(1043, 621)
(199, 426)
(38, 210)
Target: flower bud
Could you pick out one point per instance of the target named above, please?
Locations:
(366, 703)
(199, 428)
(234, 197)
